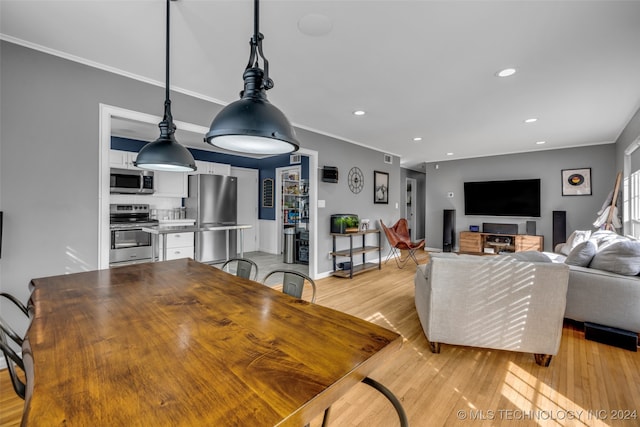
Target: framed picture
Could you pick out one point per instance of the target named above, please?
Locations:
(380, 187)
(576, 182)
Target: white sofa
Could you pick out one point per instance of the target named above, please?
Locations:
(604, 285)
(495, 302)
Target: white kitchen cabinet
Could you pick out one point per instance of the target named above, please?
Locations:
(170, 184)
(212, 168)
(179, 245)
(122, 159)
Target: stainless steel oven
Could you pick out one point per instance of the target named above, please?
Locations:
(129, 244)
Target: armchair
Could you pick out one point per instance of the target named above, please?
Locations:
(498, 302)
(399, 240)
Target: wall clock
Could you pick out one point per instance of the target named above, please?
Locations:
(356, 180)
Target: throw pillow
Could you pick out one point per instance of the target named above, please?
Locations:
(578, 236)
(582, 254)
(622, 257)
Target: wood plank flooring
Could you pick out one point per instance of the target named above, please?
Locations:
(587, 383)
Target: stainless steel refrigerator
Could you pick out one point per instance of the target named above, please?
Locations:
(213, 200)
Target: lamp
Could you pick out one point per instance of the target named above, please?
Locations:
(165, 153)
(252, 124)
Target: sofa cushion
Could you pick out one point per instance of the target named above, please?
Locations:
(582, 254)
(577, 237)
(621, 257)
(529, 256)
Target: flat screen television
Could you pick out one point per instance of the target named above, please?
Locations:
(519, 197)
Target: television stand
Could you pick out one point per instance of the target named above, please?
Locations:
(475, 242)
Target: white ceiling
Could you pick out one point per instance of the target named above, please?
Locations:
(418, 68)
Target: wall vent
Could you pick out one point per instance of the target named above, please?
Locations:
(295, 158)
(388, 159)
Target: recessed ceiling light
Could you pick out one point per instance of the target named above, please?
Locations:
(506, 72)
(531, 120)
(417, 138)
(541, 142)
(449, 154)
(359, 113)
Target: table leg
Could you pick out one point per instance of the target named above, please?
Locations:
(154, 248)
(164, 246)
(241, 243)
(227, 240)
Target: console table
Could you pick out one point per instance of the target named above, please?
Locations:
(353, 251)
(476, 242)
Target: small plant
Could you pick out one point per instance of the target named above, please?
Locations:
(348, 223)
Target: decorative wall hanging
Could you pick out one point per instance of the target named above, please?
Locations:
(380, 187)
(267, 193)
(356, 180)
(576, 182)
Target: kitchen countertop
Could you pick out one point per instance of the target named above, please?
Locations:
(170, 229)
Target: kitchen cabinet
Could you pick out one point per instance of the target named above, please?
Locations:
(170, 184)
(122, 159)
(179, 245)
(212, 168)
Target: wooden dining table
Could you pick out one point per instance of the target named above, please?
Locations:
(183, 343)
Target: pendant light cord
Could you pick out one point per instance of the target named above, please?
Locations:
(168, 118)
(256, 48)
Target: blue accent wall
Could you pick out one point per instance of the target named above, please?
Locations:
(266, 167)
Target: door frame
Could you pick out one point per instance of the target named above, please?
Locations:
(106, 112)
(410, 210)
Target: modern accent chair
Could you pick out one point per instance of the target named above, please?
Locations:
(399, 240)
(502, 302)
(13, 360)
(244, 267)
(293, 282)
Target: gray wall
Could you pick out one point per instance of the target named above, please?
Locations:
(49, 140)
(449, 176)
(339, 198)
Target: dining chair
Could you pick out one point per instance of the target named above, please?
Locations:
(244, 267)
(402, 415)
(8, 330)
(399, 240)
(293, 282)
(12, 358)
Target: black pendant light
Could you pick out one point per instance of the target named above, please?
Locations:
(252, 124)
(165, 153)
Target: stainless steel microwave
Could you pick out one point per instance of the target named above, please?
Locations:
(129, 181)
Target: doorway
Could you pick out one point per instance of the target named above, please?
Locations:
(410, 205)
(108, 112)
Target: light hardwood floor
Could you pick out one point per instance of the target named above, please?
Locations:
(587, 383)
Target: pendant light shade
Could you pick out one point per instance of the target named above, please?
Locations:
(165, 153)
(252, 124)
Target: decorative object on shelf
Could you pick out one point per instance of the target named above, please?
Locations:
(380, 187)
(165, 153)
(576, 182)
(364, 224)
(267, 193)
(252, 124)
(356, 180)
